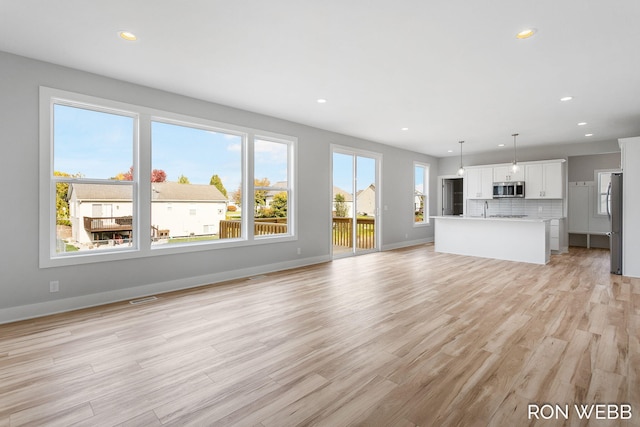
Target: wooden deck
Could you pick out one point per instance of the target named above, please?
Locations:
(399, 338)
(112, 223)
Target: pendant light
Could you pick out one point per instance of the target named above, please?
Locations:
(514, 166)
(461, 170)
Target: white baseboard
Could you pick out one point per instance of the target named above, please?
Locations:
(406, 244)
(30, 311)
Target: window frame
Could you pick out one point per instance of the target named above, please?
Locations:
(141, 188)
(291, 198)
(425, 191)
(598, 173)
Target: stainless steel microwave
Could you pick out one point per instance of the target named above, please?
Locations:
(503, 190)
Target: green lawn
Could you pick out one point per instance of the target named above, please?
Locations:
(192, 239)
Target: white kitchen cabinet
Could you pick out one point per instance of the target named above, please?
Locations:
(506, 174)
(544, 181)
(479, 183)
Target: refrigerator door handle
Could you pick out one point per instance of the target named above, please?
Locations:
(608, 201)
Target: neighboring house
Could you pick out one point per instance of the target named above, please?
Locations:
(103, 212)
(100, 212)
(366, 201)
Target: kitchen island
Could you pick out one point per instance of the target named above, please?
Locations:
(512, 239)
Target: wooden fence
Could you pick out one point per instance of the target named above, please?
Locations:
(365, 232)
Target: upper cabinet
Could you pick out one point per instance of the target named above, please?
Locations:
(506, 174)
(544, 181)
(479, 183)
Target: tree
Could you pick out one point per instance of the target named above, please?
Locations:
(157, 175)
(237, 196)
(62, 205)
(125, 176)
(260, 196)
(183, 180)
(217, 182)
(341, 206)
(279, 205)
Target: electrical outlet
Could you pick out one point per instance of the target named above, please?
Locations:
(299, 251)
(54, 286)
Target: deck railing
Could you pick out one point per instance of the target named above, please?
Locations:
(108, 223)
(232, 229)
(342, 230)
(365, 232)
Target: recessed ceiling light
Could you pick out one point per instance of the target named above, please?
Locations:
(321, 101)
(526, 33)
(582, 123)
(566, 98)
(500, 145)
(404, 129)
(588, 134)
(449, 151)
(130, 37)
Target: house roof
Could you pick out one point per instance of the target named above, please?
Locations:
(174, 191)
(280, 184)
(88, 192)
(162, 191)
(347, 196)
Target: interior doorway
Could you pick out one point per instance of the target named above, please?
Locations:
(355, 202)
(452, 196)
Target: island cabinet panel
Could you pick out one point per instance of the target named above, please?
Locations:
(479, 183)
(544, 181)
(523, 240)
(506, 174)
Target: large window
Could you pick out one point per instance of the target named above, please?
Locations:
(196, 172)
(120, 180)
(420, 193)
(92, 210)
(272, 187)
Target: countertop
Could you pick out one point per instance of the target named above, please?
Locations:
(489, 218)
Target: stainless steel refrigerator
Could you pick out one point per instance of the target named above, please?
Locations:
(614, 209)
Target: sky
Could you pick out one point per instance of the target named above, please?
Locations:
(343, 165)
(100, 145)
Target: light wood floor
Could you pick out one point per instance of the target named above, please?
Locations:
(399, 338)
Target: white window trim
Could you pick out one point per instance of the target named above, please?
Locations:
(426, 222)
(596, 174)
(291, 184)
(141, 191)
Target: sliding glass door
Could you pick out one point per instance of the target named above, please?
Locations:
(354, 202)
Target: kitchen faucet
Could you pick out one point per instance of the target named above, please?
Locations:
(485, 208)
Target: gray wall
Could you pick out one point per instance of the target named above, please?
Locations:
(24, 287)
(582, 168)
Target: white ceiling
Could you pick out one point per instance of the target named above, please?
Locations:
(448, 70)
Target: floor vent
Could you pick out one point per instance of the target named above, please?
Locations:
(142, 300)
(262, 276)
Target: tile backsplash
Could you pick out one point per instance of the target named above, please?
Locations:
(531, 208)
